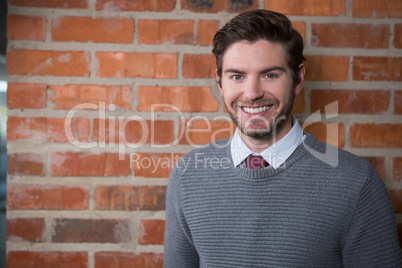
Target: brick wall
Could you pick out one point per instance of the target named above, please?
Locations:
(89, 155)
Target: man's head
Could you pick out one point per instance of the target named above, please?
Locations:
(260, 71)
(256, 25)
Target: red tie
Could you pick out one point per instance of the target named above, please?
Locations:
(256, 161)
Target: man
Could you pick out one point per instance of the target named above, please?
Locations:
(229, 207)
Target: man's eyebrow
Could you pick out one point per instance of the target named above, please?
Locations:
(234, 71)
(274, 68)
(267, 70)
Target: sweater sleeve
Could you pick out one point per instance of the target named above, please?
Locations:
(372, 239)
(179, 250)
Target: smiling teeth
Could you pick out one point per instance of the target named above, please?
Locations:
(255, 110)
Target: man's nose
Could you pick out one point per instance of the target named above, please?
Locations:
(253, 90)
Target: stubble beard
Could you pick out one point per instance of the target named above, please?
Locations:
(274, 126)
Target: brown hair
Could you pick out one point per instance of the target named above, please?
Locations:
(260, 24)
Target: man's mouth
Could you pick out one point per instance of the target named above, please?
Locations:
(256, 110)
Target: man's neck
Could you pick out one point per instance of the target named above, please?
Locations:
(258, 145)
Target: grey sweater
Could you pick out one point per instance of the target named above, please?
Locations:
(306, 213)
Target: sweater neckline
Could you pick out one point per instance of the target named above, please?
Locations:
(266, 173)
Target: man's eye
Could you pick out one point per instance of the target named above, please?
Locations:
(236, 77)
(270, 75)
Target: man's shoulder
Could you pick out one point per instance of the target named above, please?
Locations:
(334, 157)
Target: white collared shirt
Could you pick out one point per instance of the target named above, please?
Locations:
(276, 154)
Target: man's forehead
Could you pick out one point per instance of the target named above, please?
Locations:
(261, 51)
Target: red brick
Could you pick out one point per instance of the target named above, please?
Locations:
(155, 165)
(47, 197)
(85, 164)
(300, 26)
(376, 8)
(26, 27)
(70, 95)
(396, 199)
(133, 131)
(147, 65)
(28, 229)
(299, 103)
(98, 30)
(117, 165)
(90, 231)
(161, 132)
(53, 129)
(378, 164)
(107, 130)
(19, 128)
(184, 99)
(203, 6)
(397, 169)
(327, 68)
(25, 164)
(351, 101)
(166, 31)
(130, 197)
(38, 126)
(57, 132)
(151, 232)
(77, 164)
(29, 259)
(376, 136)
(46, 62)
(398, 36)
(195, 132)
(327, 133)
(236, 6)
(217, 6)
(349, 35)
(138, 5)
(123, 260)
(26, 95)
(206, 30)
(377, 69)
(398, 102)
(50, 3)
(307, 7)
(199, 66)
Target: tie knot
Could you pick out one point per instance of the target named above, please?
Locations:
(256, 161)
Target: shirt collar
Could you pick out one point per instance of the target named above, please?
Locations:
(276, 154)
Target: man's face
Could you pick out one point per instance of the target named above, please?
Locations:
(257, 88)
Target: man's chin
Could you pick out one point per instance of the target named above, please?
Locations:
(262, 131)
(256, 133)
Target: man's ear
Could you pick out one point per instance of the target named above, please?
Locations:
(300, 75)
(218, 80)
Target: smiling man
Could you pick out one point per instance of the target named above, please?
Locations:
(258, 91)
(271, 202)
